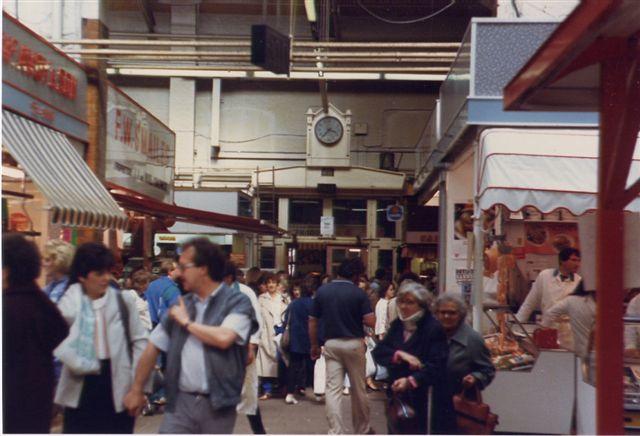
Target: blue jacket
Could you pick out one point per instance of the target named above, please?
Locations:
(299, 330)
(161, 294)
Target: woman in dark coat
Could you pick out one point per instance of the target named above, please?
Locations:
(32, 327)
(300, 347)
(415, 353)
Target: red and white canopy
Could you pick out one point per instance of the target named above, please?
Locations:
(547, 169)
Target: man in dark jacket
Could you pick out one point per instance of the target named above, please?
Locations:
(32, 327)
(205, 337)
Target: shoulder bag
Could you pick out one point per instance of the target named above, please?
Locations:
(472, 415)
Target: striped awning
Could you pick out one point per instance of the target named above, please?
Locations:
(75, 195)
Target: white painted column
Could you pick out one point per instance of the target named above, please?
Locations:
(182, 95)
(216, 101)
(280, 244)
(327, 207)
(372, 226)
(283, 213)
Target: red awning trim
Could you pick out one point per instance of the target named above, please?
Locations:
(147, 205)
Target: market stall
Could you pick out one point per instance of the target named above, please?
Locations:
(590, 62)
(541, 181)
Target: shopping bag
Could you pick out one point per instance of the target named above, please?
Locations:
(319, 376)
(78, 352)
(370, 364)
(472, 415)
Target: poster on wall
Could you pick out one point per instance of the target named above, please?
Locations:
(462, 220)
(462, 224)
(550, 238)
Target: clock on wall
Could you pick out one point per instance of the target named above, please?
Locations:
(329, 130)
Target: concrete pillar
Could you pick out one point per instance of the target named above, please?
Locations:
(182, 94)
(327, 207)
(372, 219)
(283, 213)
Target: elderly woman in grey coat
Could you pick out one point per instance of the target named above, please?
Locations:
(469, 363)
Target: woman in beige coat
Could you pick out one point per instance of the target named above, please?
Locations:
(272, 307)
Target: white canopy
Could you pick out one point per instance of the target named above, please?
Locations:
(546, 169)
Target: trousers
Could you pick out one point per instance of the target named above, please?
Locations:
(346, 355)
(194, 415)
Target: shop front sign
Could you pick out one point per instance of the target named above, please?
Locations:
(140, 148)
(42, 83)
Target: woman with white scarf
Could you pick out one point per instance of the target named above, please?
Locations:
(415, 353)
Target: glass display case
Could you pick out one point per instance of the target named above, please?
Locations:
(512, 347)
(631, 372)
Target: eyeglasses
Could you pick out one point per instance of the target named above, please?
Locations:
(182, 267)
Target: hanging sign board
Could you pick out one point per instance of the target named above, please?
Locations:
(270, 49)
(327, 226)
(395, 212)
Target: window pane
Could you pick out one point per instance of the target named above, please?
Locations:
(244, 206)
(268, 257)
(350, 217)
(269, 210)
(304, 217)
(385, 228)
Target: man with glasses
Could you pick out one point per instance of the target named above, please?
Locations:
(205, 337)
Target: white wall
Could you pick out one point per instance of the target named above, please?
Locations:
(266, 121)
(536, 9)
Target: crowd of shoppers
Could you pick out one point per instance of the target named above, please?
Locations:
(220, 345)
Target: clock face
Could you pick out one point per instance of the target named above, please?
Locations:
(329, 130)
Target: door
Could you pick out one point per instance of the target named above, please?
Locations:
(337, 254)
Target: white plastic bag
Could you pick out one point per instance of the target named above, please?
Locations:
(78, 350)
(319, 376)
(370, 368)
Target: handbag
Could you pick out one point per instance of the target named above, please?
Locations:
(472, 415)
(78, 351)
(399, 409)
(285, 341)
(402, 415)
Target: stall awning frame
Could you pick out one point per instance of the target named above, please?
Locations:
(546, 169)
(75, 194)
(149, 206)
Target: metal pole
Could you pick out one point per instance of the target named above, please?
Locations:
(442, 230)
(478, 248)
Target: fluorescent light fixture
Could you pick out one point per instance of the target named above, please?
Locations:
(354, 250)
(310, 8)
(417, 77)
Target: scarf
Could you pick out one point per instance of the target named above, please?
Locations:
(410, 323)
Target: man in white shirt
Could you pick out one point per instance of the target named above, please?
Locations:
(552, 284)
(205, 337)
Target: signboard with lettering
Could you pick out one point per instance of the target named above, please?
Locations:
(140, 148)
(42, 83)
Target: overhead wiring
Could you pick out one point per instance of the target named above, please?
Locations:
(261, 137)
(413, 21)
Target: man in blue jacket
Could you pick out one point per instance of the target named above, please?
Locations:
(163, 292)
